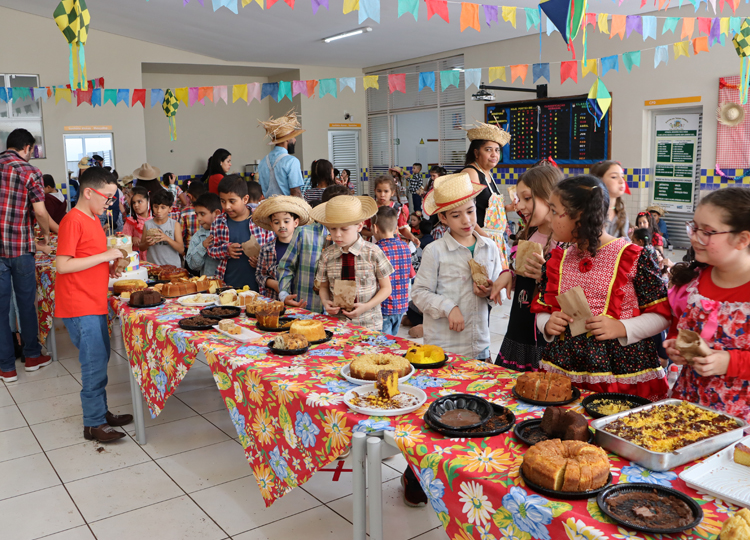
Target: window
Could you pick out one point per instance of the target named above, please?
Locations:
(78, 146)
(22, 113)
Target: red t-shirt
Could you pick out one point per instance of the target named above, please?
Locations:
(81, 293)
(213, 182)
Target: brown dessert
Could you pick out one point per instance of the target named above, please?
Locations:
(199, 320)
(387, 384)
(145, 297)
(128, 285)
(544, 386)
(566, 465)
(459, 418)
(288, 342)
(650, 509)
(565, 425)
(220, 312)
(173, 290)
(268, 316)
(168, 272)
(495, 422)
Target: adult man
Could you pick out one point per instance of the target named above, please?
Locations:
(280, 172)
(21, 199)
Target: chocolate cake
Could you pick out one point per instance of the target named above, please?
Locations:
(650, 509)
(458, 418)
(146, 297)
(565, 425)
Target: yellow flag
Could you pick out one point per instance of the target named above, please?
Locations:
(509, 15)
(681, 49)
(589, 66)
(371, 81)
(239, 91)
(246, 2)
(603, 23)
(724, 26)
(62, 93)
(497, 73)
(182, 95)
(351, 5)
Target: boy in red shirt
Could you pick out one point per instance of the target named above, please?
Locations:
(83, 273)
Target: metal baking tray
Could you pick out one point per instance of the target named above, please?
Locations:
(664, 461)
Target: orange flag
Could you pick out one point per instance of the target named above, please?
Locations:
(470, 16)
(618, 26)
(700, 44)
(519, 70)
(311, 87)
(206, 92)
(688, 25)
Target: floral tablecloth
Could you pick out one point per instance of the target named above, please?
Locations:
(290, 417)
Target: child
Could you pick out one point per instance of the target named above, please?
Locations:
(623, 289)
(281, 214)
(645, 221)
(657, 213)
(298, 266)
(711, 296)
(455, 309)
(169, 181)
(522, 349)
(385, 190)
(425, 234)
(254, 194)
(350, 258)
(394, 307)
(140, 213)
(187, 216)
(232, 229)
(414, 221)
(207, 209)
(83, 272)
(165, 245)
(415, 185)
(613, 177)
(54, 201)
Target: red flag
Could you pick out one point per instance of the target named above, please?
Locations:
(590, 20)
(438, 7)
(139, 95)
(569, 70)
(101, 82)
(397, 82)
(84, 96)
(704, 25)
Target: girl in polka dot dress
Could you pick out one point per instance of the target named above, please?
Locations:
(621, 282)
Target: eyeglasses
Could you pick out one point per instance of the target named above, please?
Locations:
(703, 236)
(109, 200)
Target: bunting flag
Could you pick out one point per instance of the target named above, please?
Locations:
(681, 49)
(714, 35)
(316, 4)
(649, 28)
(509, 15)
(448, 78)
(299, 87)
(619, 23)
(437, 7)
(670, 24)
(426, 80)
(350, 82)
(244, 2)
(598, 101)
(4, 94)
(72, 18)
(661, 54)
(408, 6)
(631, 59)
(231, 5)
(204, 92)
(181, 94)
(397, 83)
(369, 9)
(285, 91)
(123, 94)
(139, 96)
(110, 94)
(267, 90)
(84, 96)
(540, 71)
(704, 25)
(311, 86)
(193, 96)
(556, 11)
(741, 43)
(633, 23)
(327, 86)
(589, 66)
(609, 63)
(497, 73)
(532, 17)
(220, 92)
(688, 25)
(170, 106)
(569, 70)
(96, 97)
(603, 22)
(724, 23)
(254, 91)
(490, 14)
(472, 77)
(550, 28)
(157, 96)
(700, 44)
(371, 81)
(470, 16)
(270, 3)
(350, 5)
(519, 71)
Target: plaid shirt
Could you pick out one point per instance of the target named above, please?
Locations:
(298, 265)
(220, 248)
(415, 183)
(370, 265)
(189, 223)
(267, 269)
(400, 258)
(21, 185)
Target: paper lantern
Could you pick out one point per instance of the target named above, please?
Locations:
(170, 106)
(72, 18)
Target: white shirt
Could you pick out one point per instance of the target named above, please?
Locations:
(444, 282)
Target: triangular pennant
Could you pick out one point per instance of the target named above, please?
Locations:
(254, 91)
(268, 90)
(472, 77)
(299, 87)
(715, 34)
(427, 80)
(550, 27)
(371, 81)
(285, 90)
(123, 94)
(497, 73)
(519, 71)
(182, 95)
(311, 86)
(661, 54)
(316, 5)
(631, 59)
(96, 97)
(589, 66)
(532, 17)
(509, 15)
(448, 78)
(725, 26)
(603, 23)
(239, 91)
(84, 96)
(408, 6)
(490, 14)
(670, 23)
(700, 44)
(437, 7)
(609, 63)
(157, 96)
(246, 2)
(4, 94)
(327, 86)
(681, 49)
(220, 93)
(193, 96)
(688, 25)
(569, 70)
(540, 71)
(618, 26)
(557, 11)
(633, 23)
(350, 5)
(470, 16)
(649, 27)
(350, 82)
(704, 25)
(231, 5)
(139, 96)
(110, 94)
(205, 92)
(369, 9)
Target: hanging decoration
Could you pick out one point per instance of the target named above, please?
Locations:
(598, 101)
(72, 18)
(170, 106)
(742, 46)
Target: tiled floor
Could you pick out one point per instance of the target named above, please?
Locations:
(190, 481)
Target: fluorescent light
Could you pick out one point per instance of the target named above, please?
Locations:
(350, 33)
(458, 69)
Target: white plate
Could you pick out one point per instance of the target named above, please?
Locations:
(721, 477)
(246, 336)
(346, 370)
(185, 300)
(405, 389)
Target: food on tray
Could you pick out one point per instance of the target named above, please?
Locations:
(312, 330)
(742, 455)
(167, 272)
(459, 418)
(366, 367)
(544, 386)
(425, 354)
(478, 273)
(691, 344)
(228, 298)
(565, 425)
(268, 315)
(173, 290)
(246, 296)
(128, 285)
(228, 326)
(566, 465)
(220, 312)
(495, 422)
(650, 509)
(288, 342)
(736, 527)
(611, 406)
(125, 295)
(387, 384)
(146, 297)
(199, 320)
(665, 428)
(199, 299)
(386, 395)
(253, 304)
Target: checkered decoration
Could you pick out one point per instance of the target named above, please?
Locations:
(636, 178)
(733, 143)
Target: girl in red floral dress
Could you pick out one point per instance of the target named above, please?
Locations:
(621, 282)
(711, 296)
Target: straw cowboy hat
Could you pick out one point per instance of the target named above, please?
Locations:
(146, 172)
(283, 128)
(84, 163)
(730, 114)
(127, 180)
(487, 132)
(450, 191)
(656, 208)
(345, 210)
(281, 203)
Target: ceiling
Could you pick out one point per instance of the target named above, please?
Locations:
(281, 35)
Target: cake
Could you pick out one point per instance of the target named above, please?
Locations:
(573, 466)
(204, 284)
(386, 384)
(460, 418)
(167, 272)
(128, 285)
(254, 303)
(289, 342)
(565, 425)
(173, 290)
(268, 316)
(742, 454)
(312, 330)
(367, 366)
(125, 244)
(228, 326)
(246, 296)
(125, 295)
(198, 320)
(650, 509)
(228, 298)
(544, 386)
(736, 527)
(425, 354)
(146, 297)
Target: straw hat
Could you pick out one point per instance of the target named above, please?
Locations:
(84, 163)
(488, 132)
(656, 208)
(450, 191)
(281, 203)
(345, 210)
(146, 172)
(730, 114)
(128, 179)
(283, 128)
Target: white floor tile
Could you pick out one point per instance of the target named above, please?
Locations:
(223, 421)
(323, 487)
(238, 506)
(176, 519)
(59, 514)
(52, 408)
(26, 474)
(11, 418)
(180, 436)
(55, 369)
(319, 522)
(119, 394)
(71, 364)
(90, 458)
(435, 534)
(16, 443)
(174, 410)
(124, 490)
(203, 401)
(60, 433)
(208, 466)
(47, 388)
(79, 533)
(5, 399)
(397, 463)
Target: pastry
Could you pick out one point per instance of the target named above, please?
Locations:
(173, 290)
(167, 272)
(312, 330)
(289, 342)
(691, 344)
(129, 285)
(544, 386)
(566, 465)
(565, 425)
(268, 316)
(145, 297)
(367, 366)
(742, 454)
(478, 273)
(425, 354)
(228, 298)
(228, 326)
(386, 384)
(736, 527)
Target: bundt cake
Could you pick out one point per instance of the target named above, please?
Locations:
(128, 285)
(145, 297)
(180, 288)
(312, 330)
(566, 465)
(425, 354)
(736, 527)
(566, 425)
(268, 316)
(289, 342)
(544, 386)
(168, 272)
(367, 366)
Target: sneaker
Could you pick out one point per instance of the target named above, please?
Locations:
(103, 433)
(32, 364)
(414, 496)
(8, 376)
(117, 420)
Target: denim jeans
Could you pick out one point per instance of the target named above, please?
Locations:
(391, 324)
(90, 335)
(23, 273)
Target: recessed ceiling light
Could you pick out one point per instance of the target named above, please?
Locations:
(350, 33)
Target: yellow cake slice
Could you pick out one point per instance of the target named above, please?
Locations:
(742, 454)
(387, 384)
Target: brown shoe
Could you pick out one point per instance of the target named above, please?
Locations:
(117, 420)
(416, 331)
(406, 322)
(103, 433)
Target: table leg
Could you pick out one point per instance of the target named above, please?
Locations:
(359, 485)
(52, 342)
(375, 483)
(137, 398)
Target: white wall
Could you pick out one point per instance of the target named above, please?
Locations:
(411, 128)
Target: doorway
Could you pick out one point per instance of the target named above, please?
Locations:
(343, 152)
(80, 145)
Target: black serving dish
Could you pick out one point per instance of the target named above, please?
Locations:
(252, 315)
(576, 395)
(569, 495)
(280, 328)
(433, 365)
(160, 302)
(188, 326)
(619, 489)
(329, 337)
(636, 401)
(206, 312)
(450, 402)
(288, 352)
(497, 410)
(530, 432)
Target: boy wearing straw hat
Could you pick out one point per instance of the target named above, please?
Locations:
(350, 258)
